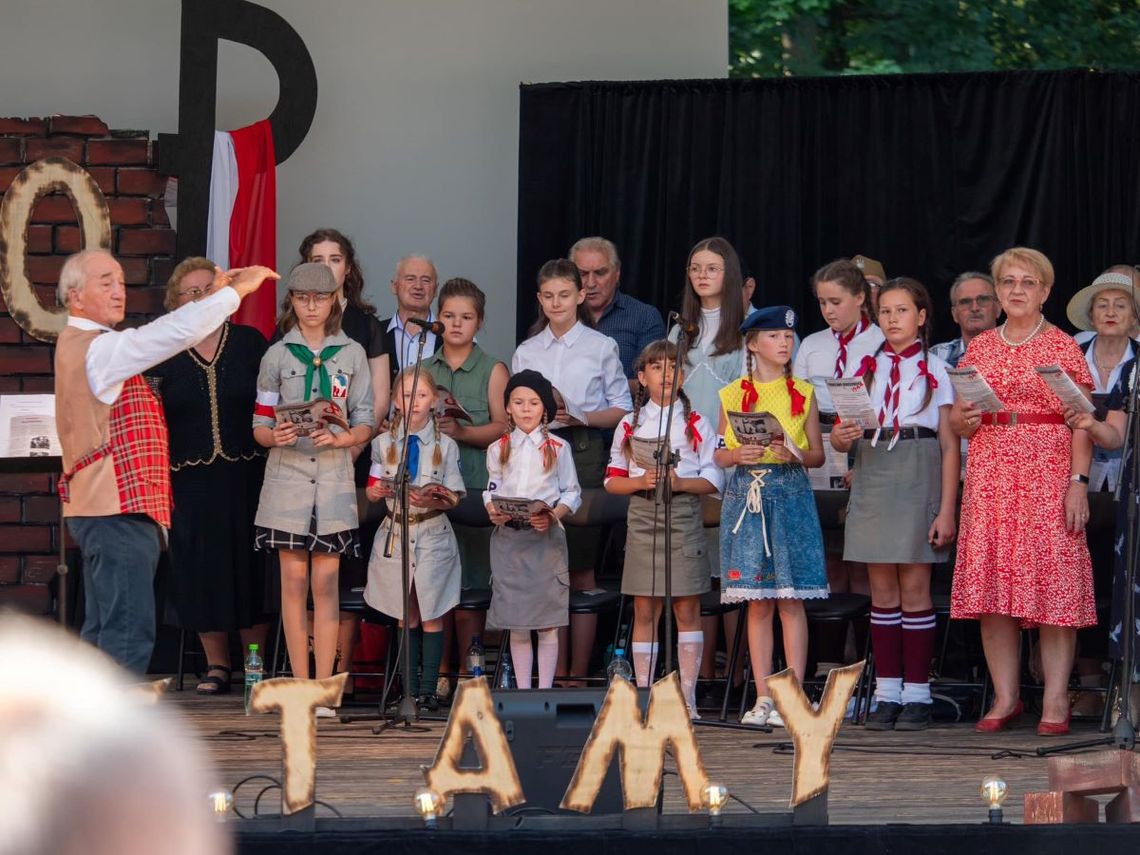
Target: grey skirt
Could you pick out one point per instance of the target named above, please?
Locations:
(530, 579)
(895, 496)
(644, 571)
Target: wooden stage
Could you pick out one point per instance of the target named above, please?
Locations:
(877, 778)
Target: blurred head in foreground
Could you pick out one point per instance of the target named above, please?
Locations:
(89, 763)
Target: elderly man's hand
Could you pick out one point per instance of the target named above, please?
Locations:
(244, 280)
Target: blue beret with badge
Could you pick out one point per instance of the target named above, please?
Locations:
(770, 318)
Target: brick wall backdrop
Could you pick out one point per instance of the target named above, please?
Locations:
(121, 162)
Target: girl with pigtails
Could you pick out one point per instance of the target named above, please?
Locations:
(530, 578)
(771, 546)
(435, 485)
(695, 474)
(900, 519)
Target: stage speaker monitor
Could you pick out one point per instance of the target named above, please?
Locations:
(547, 730)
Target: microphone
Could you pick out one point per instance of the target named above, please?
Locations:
(427, 326)
(688, 329)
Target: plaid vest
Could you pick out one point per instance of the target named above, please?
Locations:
(116, 458)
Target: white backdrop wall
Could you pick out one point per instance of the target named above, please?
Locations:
(414, 147)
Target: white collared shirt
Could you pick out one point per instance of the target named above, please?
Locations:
(407, 345)
(912, 389)
(815, 360)
(447, 473)
(117, 355)
(1114, 375)
(583, 364)
(691, 463)
(524, 476)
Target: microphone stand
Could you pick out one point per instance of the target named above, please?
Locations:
(666, 461)
(1123, 734)
(406, 713)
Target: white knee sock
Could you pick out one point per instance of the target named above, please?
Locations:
(644, 661)
(690, 647)
(547, 657)
(522, 654)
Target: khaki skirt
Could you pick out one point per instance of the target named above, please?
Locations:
(644, 571)
(530, 581)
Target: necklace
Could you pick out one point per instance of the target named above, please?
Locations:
(1036, 329)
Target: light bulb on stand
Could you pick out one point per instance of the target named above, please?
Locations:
(428, 803)
(221, 802)
(994, 790)
(715, 798)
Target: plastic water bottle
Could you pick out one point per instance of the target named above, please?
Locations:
(254, 672)
(476, 657)
(619, 666)
(507, 677)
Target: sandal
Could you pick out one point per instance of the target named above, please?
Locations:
(212, 685)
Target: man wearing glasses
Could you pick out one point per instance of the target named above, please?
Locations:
(974, 307)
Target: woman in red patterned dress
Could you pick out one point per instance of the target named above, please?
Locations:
(1023, 560)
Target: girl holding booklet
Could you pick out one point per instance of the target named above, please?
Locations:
(435, 486)
(634, 473)
(530, 583)
(906, 477)
(771, 552)
(585, 367)
(308, 509)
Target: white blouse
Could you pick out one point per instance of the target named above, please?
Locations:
(447, 473)
(583, 364)
(692, 463)
(815, 360)
(912, 390)
(524, 476)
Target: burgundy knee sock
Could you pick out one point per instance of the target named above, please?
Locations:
(917, 645)
(886, 640)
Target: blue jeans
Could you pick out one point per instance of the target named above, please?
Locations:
(120, 556)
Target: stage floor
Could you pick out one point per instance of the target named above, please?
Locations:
(927, 777)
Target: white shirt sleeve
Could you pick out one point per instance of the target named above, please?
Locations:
(617, 385)
(569, 489)
(115, 356)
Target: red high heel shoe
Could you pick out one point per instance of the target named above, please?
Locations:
(993, 725)
(1055, 728)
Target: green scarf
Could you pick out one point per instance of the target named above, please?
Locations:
(305, 354)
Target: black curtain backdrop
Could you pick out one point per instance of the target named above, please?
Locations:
(930, 174)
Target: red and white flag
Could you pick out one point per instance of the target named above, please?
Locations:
(243, 214)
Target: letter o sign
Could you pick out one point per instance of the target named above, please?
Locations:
(53, 174)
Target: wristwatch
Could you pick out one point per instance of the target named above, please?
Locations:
(1079, 479)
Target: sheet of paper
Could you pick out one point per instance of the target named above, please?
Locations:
(755, 428)
(829, 476)
(971, 387)
(27, 426)
(852, 403)
(519, 510)
(1062, 385)
(576, 415)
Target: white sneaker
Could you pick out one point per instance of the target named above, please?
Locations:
(326, 712)
(775, 719)
(760, 714)
(693, 714)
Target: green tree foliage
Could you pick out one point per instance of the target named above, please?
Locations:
(776, 38)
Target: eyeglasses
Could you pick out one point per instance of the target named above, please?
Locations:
(982, 300)
(710, 269)
(1027, 282)
(195, 293)
(312, 298)
(426, 281)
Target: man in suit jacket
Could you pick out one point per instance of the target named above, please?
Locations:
(414, 285)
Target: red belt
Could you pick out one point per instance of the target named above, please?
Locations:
(1012, 419)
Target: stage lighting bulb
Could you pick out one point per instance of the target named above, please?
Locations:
(428, 803)
(994, 791)
(221, 802)
(716, 797)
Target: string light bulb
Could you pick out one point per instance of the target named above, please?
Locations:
(221, 803)
(994, 790)
(716, 797)
(428, 803)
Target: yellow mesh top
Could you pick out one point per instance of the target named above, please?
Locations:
(774, 398)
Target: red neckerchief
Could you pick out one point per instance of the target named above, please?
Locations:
(845, 339)
(891, 398)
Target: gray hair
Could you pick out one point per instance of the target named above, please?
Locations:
(965, 277)
(73, 275)
(411, 257)
(596, 244)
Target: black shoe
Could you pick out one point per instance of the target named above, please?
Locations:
(884, 716)
(913, 717)
(428, 704)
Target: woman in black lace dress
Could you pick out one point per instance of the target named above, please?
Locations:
(217, 581)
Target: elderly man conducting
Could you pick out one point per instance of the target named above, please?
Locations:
(975, 309)
(628, 321)
(116, 465)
